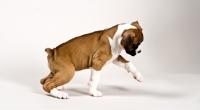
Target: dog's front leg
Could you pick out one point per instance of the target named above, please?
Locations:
(120, 61)
(94, 80)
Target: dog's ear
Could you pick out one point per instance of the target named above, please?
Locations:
(135, 22)
(127, 39)
(137, 25)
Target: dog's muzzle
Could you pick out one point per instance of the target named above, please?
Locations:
(134, 52)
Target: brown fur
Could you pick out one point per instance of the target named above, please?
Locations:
(137, 25)
(121, 59)
(111, 31)
(89, 50)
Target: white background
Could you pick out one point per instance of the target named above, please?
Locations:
(169, 62)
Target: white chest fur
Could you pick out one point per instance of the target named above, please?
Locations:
(116, 47)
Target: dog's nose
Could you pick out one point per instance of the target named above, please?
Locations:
(139, 51)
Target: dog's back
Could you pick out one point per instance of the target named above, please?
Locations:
(81, 49)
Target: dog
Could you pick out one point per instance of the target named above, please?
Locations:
(92, 51)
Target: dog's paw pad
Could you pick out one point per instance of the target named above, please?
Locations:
(59, 94)
(138, 77)
(96, 93)
(60, 88)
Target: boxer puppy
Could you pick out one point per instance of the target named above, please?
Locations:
(92, 51)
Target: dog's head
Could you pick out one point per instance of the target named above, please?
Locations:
(131, 39)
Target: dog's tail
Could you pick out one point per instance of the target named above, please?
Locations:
(49, 51)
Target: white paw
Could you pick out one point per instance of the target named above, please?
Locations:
(59, 94)
(60, 88)
(95, 93)
(138, 77)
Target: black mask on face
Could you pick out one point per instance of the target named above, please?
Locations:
(132, 52)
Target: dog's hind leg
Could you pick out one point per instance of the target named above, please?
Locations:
(47, 78)
(63, 76)
(60, 87)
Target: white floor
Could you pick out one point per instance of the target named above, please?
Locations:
(121, 92)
